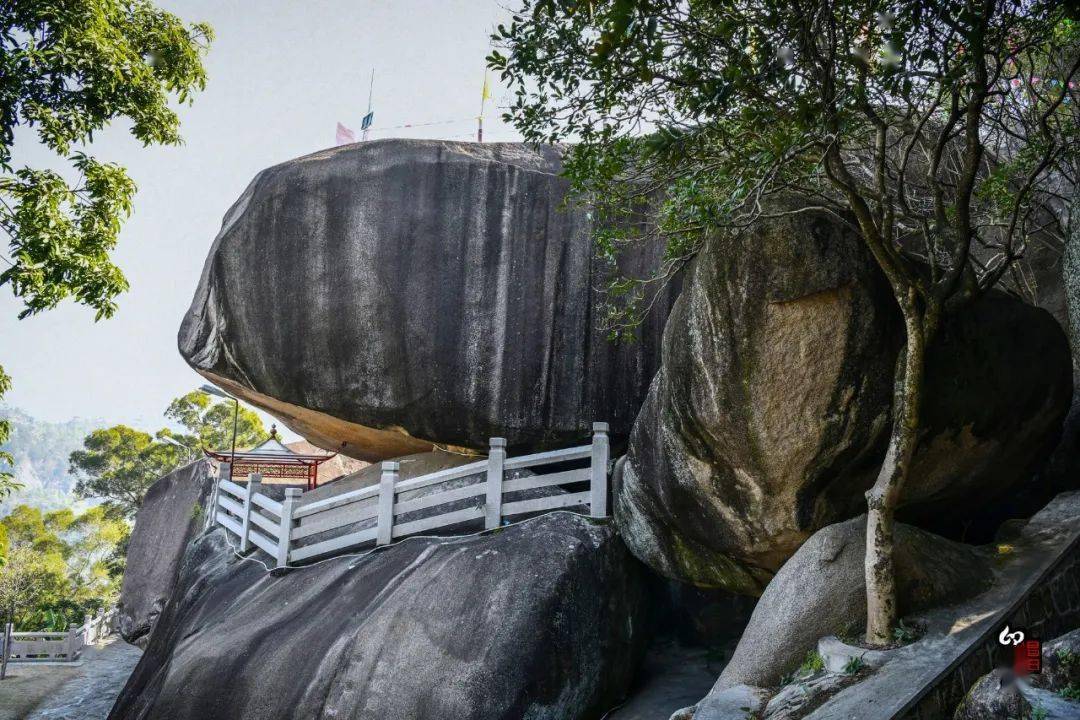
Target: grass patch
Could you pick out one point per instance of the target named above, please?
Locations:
(812, 663)
(853, 665)
(904, 634)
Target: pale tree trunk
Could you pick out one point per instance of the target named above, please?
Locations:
(882, 498)
(8, 621)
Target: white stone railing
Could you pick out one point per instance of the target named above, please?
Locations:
(66, 646)
(293, 531)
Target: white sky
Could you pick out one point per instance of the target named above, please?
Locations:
(281, 74)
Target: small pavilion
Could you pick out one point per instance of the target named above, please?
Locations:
(273, 461)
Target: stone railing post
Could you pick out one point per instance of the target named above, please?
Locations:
(224, 473)
(254, 480)
(88, 629)
(5, 648)
(493, 501)
(385, 527)
(288, 505)
(599, 465)
(72, 647)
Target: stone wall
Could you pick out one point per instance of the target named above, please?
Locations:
(1049, 609)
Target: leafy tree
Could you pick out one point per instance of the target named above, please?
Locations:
(75, 563)
(944, 132)
(68, 68)
(210, 424)
(24, 577)
(7, 479)
(119, 464)
(89, 544)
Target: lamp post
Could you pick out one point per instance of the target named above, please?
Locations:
(211, 390)
(171, 441)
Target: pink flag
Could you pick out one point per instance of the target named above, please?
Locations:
(344, 135)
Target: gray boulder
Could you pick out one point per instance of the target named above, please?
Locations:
(821, 591)
(738, 702)
(385, 296)
(173, 512)
(1060, 663)
(994, 696)
(769, 415)
(796, 700)
(546, 620)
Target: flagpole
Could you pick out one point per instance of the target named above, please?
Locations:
(371, 89)
(480, 117)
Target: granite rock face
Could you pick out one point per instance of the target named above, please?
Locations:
(1060, 663)
(546, 619)
(769, 416)
(995, 696)
(382, 297)
(173, 512)
(821, 591)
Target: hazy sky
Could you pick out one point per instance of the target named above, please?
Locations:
(281, 74)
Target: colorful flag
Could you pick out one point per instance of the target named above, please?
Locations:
(344, 135)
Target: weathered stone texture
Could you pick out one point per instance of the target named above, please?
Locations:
(545, 620)
(770, 413)
(398, 293)
(172, 513)
(821, 591)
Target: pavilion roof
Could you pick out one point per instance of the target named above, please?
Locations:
(269, 452)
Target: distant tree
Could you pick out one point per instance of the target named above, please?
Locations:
(74, 564)
(89, 542)
(898, 118)
(24, 577)
(119, 464)
(209, 424)
(7, 478)
(68, 68)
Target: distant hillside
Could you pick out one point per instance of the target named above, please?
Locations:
(41, 452)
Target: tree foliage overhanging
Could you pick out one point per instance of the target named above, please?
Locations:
(69, 68)
(944, 126)
(944, 132)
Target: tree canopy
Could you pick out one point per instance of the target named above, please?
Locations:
(55, 567)
(936, 125)
(7, 482)
(944, 132)
(69, 68)
(119, 464)
(209, 424)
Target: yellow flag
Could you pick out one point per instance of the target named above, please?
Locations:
(485, 94)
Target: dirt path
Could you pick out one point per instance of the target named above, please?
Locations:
(63, 692)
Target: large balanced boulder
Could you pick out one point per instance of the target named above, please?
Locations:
(769, 416)
(545, 619)
(383, 297)
(172, 513)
